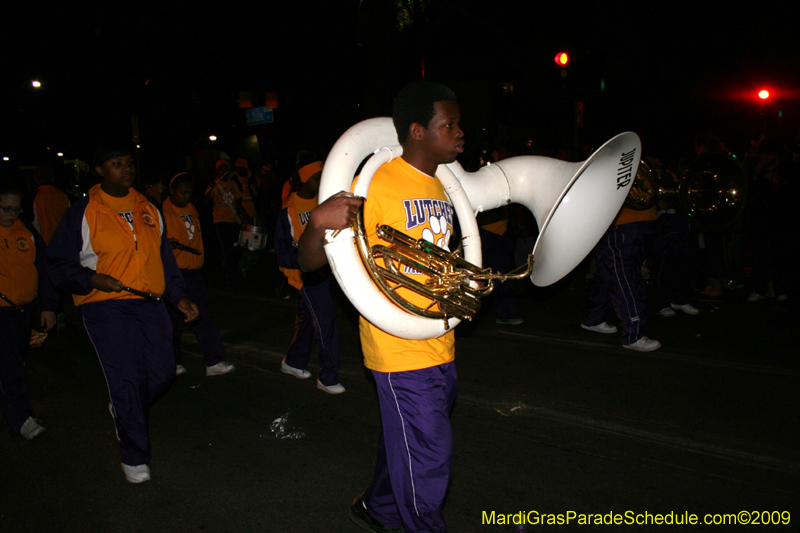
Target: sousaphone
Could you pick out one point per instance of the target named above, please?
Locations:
(573, 203)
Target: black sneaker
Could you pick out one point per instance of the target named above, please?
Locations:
(360, 517)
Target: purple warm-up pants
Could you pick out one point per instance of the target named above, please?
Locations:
(316, 319)
(618, 281)
(205, 332)
(133, 340)
(228, 233)
(674, 265)
(15, 340)
(415, 452)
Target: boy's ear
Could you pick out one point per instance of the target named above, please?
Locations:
(416, 131)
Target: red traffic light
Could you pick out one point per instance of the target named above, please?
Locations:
(561, 59)
(763, 94)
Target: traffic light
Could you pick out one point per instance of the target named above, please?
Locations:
(763, 94)
(562, 59)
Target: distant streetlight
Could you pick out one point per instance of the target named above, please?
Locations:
(60, 154)
(5, 158)
(763, 94)
(36, 84)
(212, 138)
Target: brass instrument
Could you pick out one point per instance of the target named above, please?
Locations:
(644, 191)
(452, 284)
(712, 192)
(573, 203)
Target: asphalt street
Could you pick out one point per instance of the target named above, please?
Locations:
(550, 419)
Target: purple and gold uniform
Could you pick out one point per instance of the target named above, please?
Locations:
(248, 204)
(224, 195)
(243, 182)
(618, 281)
(183, 225)
(416, 379)
(49, 205)
(124, 238)
(23, 277)
(316, 316)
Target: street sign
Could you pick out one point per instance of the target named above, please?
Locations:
(259, 115)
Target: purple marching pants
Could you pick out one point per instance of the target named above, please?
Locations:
(133, 340)
(15, 339)
(205, 332)
(618, 281)
(415, 452)
(316, 319)
(674, 262)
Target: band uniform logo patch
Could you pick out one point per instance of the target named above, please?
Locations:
(22, 244)
(188, 221)
(148, 220)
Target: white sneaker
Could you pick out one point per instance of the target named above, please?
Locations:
(331, 389)
(30, 428)
(223, 367)
(299, 373)
(602, 327)
(755, 297)
(136, 474)
(644, 345)
(689, 309)
(180, 370)
(667, 311)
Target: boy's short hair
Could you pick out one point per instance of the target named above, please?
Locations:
(11, 187)
(414, 103)
(305, 157)
(180, 179)
(110, 151)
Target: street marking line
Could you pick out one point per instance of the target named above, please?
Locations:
(660, 354)
(682, 443)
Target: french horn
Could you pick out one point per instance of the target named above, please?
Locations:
(573, 203)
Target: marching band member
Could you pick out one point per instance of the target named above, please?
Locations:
(23, 277)
(186, 240)
(618, 283)
(225, 198)
(245, 180)
(49, 204)
(416, 379)
(316, 316)
(111, 251)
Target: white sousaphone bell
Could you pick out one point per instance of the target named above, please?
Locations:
(573, 203)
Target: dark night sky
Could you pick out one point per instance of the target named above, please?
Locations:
(669, 71)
